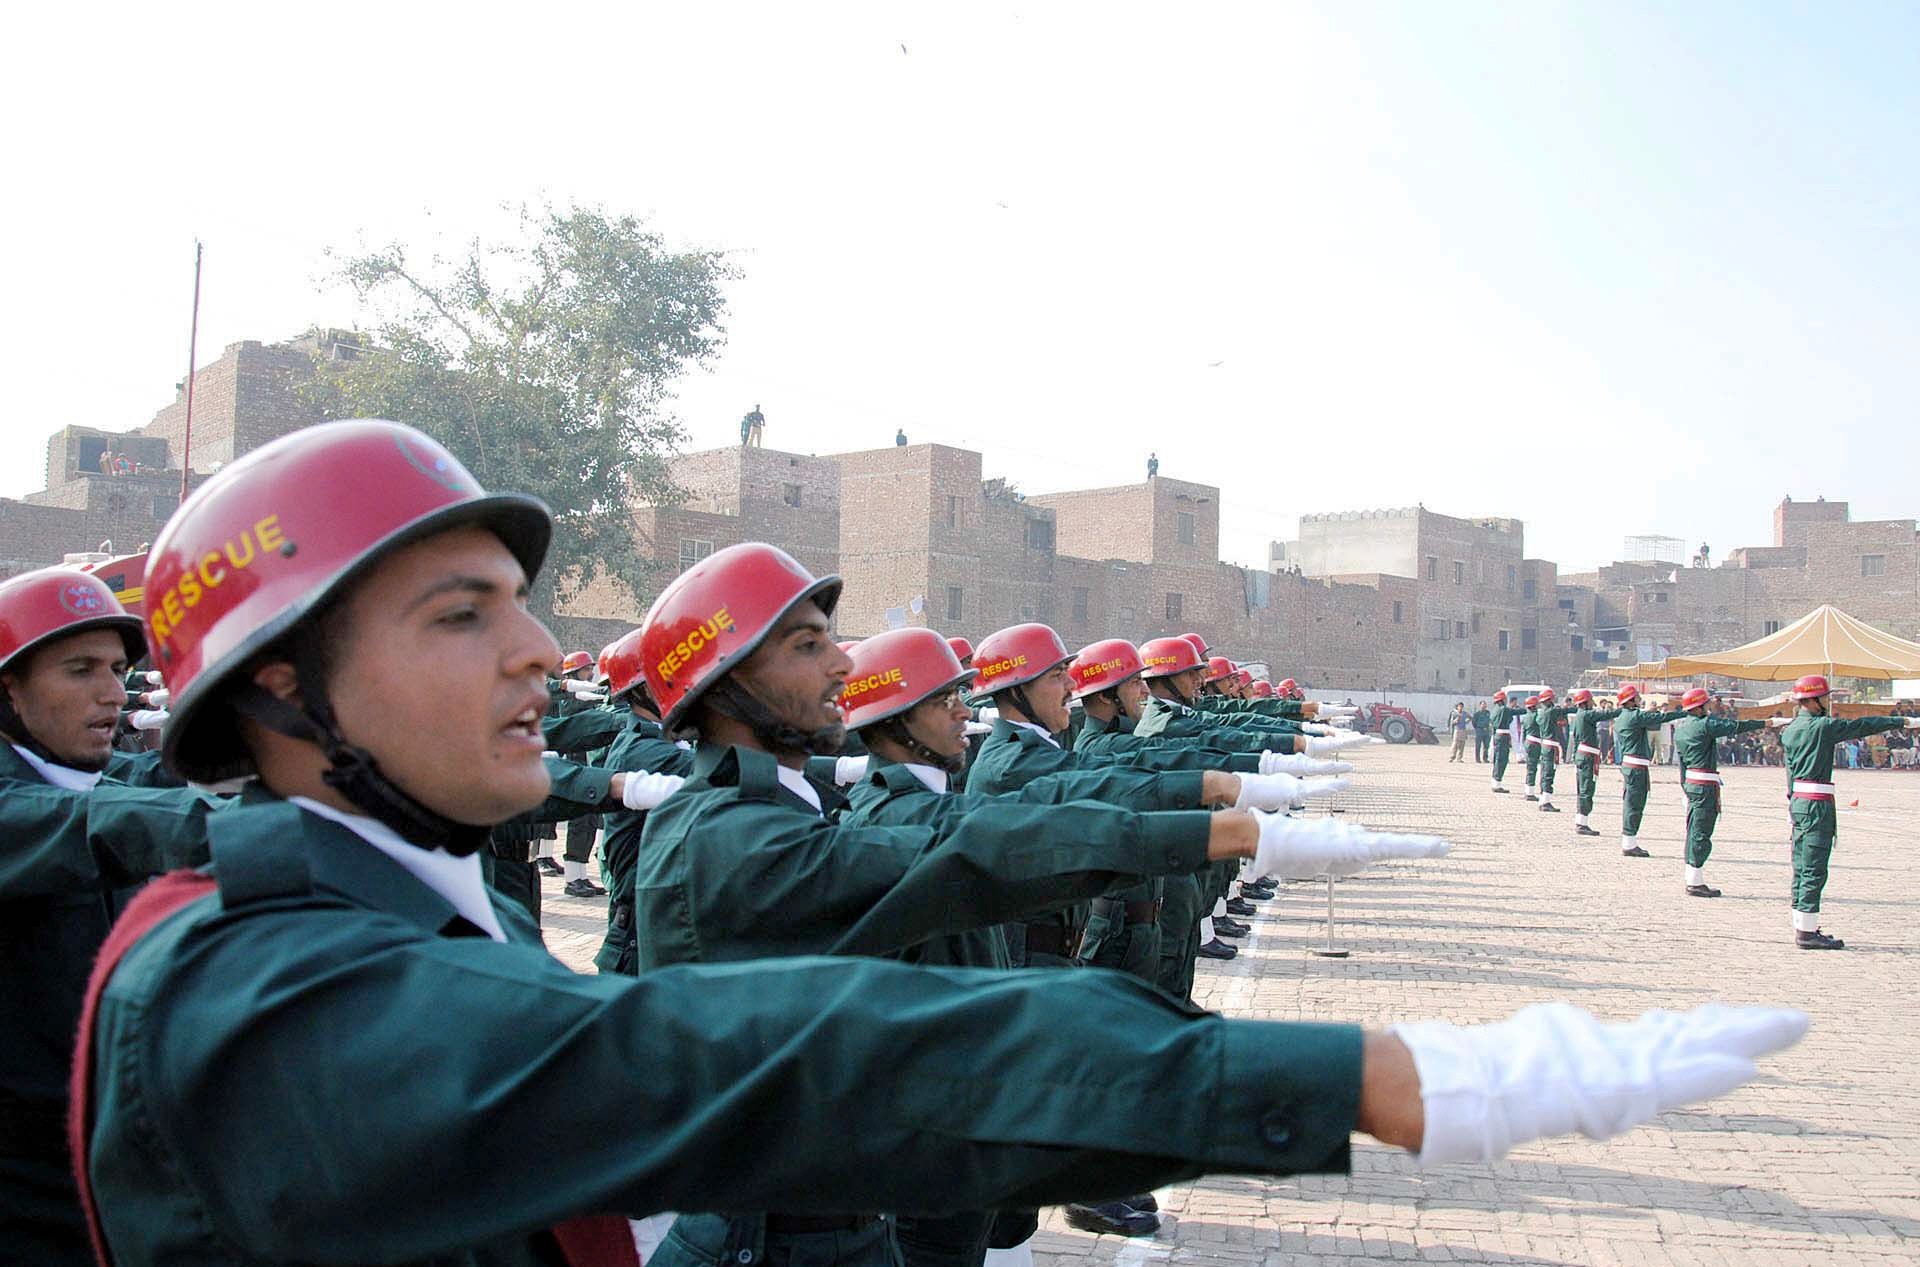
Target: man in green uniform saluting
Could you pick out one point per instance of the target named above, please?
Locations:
(1584, 734)
(1696, 741)
(1545, 722)
(341, 996)
(1502, 740)
(1808, 740)
(75, 846)
(1633, 739)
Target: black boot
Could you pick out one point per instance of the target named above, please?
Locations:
(1701, 890)
(1114, 1218)
(1217, 949)
(1817, 940)
(1259, 890)
(1584, 830)
(1549, 807)
(1240, 906)
(549, 867)
(1224, 927)
(1635, 852)
(1143, 1204)
(1532, 797)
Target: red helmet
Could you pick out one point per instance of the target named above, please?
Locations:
(1285, 687)
(621, 663)
(1164, 657)
(575, 661)
(1547, 696)
(280, 533)
(1219, 668)
(1017, 655)
(962, 649)
(1582, 696)
(1103, 665)
(1533, 701)
(1500, 696)
(1246, 678)
(716, 614)
(1628, 694)
(1812, 686)
(38, 607)
(1695, 698)
(896, 670)
(1263, 689)
(1199, 644)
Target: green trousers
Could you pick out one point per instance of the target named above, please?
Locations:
(1111, 942)
(1533, 764)
(1180, 913)
(1502, 749)
(1814, 829)
(1549, 762)
(1633, 798)
(719, 1240)
(1703, 811)
(1586, 777)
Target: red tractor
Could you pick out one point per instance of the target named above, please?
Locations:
(1394, 724)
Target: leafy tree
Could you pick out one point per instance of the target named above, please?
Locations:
(546, 365)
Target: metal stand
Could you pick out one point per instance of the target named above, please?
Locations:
(1329, 951)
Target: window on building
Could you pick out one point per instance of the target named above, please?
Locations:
(1509, 578)
(1566, 604)
(1770, 627)
(1461, 674)
(953, 602)
(1529, 639)
(1126, 618)
(1437, 629)
(790, 494)
(1504, 640)
(1183, 521)
(1476, 622)
(1579, 643)
(1433, 568)
(953, 512)
(1173, 606)
(1459, 572)
(1040, 534)
(692, 550)
(1528, 589)
(1396, 611)
(1873, 565)
(1459, 628)
(1079, 605)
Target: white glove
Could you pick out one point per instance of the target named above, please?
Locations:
(1338, 742)
(1554, 1069)
(1282, 791)
(979, 728)
(582, 690)
(1302, 848)
(646, 791)
(1913, 723)
(154, 678)
(1314, 728)
(1299, 766)
(847, 770)
(988, 714)
(1778, 723)
(147, 718)
(1336, 710)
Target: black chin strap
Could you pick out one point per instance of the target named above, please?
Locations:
(353, 773)
(1185, 700)
(895, 728)
(732, 700)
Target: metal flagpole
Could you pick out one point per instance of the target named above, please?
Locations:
(193, 341)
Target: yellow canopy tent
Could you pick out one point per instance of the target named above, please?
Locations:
(1825, 640)
(1651, 669)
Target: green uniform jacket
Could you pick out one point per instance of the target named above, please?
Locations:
(1584, 728)
(641, 747)
(1164, 718)
(1808, 740)
(1286, 709)
(585, 730)
(328, 1039)
(70, 863)
(1633, 730)
(1694, 739)
(141, 769)
(735, 866)
(1116, 740)
(1503, 718)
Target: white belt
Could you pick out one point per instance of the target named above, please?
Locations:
(1643, 762)
(1550, 743)
(1703, 776)
(1589, 750)
(1533, 739)
(1807, 790)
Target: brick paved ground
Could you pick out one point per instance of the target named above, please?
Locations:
(1817, 1163)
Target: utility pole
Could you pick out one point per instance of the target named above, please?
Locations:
(193, 340)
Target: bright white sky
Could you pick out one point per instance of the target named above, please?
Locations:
(1610, 268)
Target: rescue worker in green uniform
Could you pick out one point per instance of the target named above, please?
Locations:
(338, 1046)
(573, 695)
(1696, 741)
(1584, 734)
(1546, 721)
(641, 748)
(1533, 744)
(1632, 738)
(1807, 740)
(1502, 739)
(75, 846)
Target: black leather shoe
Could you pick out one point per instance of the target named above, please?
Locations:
(1240, 906)
(584, 887)
(1532, 797)
(1635, 852)
(549, 867)
(1584, 830)
(1260, 891)
(1224, 927)
(1142, 1204)
(1500, 791)
(1217, 949)
(1114, 1218)
(1817, 940)
(1701, 890)
(1549, 808)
